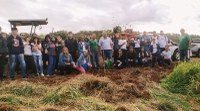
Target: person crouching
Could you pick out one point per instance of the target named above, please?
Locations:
(131, 57)
(66, 62)
(83, 62)
(166, 56)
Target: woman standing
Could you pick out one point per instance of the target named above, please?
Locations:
(52, 56)
(30, 65)
(37, 55)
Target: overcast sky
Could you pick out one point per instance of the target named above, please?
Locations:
(76, 15)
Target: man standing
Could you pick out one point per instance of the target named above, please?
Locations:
(106, 45)
(184, 45)
(93, 50)
(14, 43)
(72, 46)
(162, 41)
(3, 52)
(145, 41)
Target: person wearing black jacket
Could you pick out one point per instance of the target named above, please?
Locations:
(72, 46)
(45, 51)
(15, 44)
(3, 52)
(116, 47)
(155, 51)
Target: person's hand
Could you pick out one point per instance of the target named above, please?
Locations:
(74, 66)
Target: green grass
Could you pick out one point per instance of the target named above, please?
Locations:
(184, 79)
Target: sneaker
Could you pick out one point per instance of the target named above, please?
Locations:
(48, 75)
(42, 74)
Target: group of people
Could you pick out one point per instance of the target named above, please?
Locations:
(54, 53)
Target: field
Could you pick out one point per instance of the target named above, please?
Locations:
(130, 89)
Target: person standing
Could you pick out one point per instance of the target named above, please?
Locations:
(72, 45)
(145, 41)
(37, 55)
(106, 45)
(82, 45)
(162, 41)
(184, 45)
(59, 46)
(28, 57)
(155, 51)
(93, 50)
(52, 56)
(14, 43)
(123, 46)
(45, 51)
(116, 47)
(3, 52)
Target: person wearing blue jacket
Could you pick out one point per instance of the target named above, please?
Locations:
(83, 62)
(14, 44)
(82, 45)
(66, 62)
(155, 51)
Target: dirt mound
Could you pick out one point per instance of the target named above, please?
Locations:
(98, 88)
(5, 107)
(126, 85)
(122, 109)
(50, 109)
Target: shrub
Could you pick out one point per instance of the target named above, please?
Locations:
(184, 79)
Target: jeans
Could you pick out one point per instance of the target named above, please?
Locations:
(13, 59)
(107, 54)
(51, 64)
(146, 48)
(95, 59)
(183, 55)
(38, 63)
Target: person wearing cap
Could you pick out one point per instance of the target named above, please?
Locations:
(184, 45)
(3, 53)
(83, 62)
(72, 45)
(155, 51)
(14, 44)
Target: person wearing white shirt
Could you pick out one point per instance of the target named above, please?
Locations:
(166, 55)
(28, 56)
(154, 48)
(123, 46)
(162, 40)
(106, 45)
(155, 37)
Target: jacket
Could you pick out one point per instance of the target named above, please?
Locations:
(15, 46)
(81, 60)
(3, 45)
(71, 44)
(151, 48)
(63, 59)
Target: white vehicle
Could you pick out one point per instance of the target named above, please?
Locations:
(173, 46)
(195, 48)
